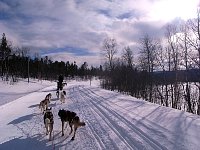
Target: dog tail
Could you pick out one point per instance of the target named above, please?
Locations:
(81, 123)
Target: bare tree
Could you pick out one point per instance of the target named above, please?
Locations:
(185, 46)
(161, 65)
(128, 56)
(174, 57)
(147, 53)
(109, 51)
(147, 61)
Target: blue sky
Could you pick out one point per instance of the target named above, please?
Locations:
(73, 30)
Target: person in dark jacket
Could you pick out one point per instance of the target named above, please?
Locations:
(60, 78)
(60, 81)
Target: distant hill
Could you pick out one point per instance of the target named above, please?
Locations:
(192, 75)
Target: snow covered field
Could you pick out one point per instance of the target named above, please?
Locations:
(113, 121)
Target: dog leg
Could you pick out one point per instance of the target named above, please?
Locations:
(47, 132)
(75, 128)
(46, 126)
(63, 128)
(50, 131)
(71, 128)
(50, 136)
(66, 126)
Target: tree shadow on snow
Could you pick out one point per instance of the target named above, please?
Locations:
(23, 118)
(53, 90)
(35, 105)
(50, 105)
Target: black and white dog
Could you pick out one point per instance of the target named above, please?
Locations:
(48, 122)
(72, 119)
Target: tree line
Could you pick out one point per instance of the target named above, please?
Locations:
(16, 63)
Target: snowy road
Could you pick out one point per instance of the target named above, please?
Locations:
(111, 127)
(113, 121)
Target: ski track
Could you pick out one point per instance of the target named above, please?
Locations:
(151, 129)
(119, 142)
(124, 131)
(106, 128)
(129, 133)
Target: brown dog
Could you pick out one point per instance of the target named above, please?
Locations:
(44, 105)
(72, 119)
(48, 96)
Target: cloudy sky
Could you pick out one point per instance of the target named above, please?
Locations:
(73, 30)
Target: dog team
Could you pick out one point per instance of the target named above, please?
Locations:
(67, 116)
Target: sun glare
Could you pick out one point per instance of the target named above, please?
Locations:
(169, 9)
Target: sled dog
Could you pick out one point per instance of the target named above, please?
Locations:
(62, 96)
(48, 96)
(48, 122)
(57, 94)
(44, 104)
(72, 119)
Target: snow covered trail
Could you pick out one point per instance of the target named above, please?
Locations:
(113, 121)
(113, 128)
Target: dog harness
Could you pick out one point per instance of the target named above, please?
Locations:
(49, 115)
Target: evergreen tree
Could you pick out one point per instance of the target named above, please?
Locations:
(5, 51)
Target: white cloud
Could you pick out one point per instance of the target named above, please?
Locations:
(166, 10)
(94, 61)
(50, 24)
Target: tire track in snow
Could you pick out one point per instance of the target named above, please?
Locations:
(104, 110)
